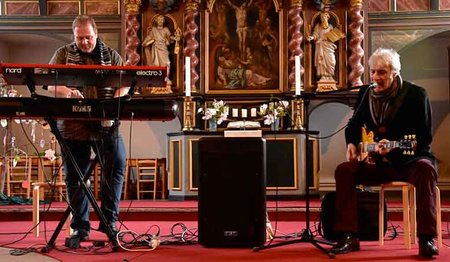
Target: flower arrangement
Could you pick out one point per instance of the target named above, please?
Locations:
(218, 111)
(272, 111)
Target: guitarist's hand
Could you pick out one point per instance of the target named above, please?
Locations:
(381, 147)
(352, 152)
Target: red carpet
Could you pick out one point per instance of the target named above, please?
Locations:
(147, 216)
(13, 235)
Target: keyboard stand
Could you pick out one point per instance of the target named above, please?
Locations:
(83, 178)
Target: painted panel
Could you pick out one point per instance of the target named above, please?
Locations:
(105, 7)
(379, 5)
(22, 8)
(413, 5)
(63, 8)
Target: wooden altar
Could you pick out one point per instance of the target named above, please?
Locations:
(286, 163)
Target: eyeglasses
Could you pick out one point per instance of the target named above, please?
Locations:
(81, 38)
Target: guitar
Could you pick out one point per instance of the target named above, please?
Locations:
(368, 145)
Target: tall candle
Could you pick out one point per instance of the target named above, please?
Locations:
(187, 79)
(298, 80)
(253, 112)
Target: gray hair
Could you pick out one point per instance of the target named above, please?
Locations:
(389, 56)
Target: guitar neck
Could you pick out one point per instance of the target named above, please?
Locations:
(372, 147)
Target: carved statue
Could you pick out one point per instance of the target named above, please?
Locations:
(156, 44)
(324, 35)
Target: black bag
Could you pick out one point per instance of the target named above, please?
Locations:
(367, 216)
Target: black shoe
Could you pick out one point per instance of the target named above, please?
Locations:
(102, 228)
(81, 234)
(427, 248)
(348, 243)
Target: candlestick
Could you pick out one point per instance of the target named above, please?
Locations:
(187, 79)
(297, 113)
(189, 118)
(298, 80)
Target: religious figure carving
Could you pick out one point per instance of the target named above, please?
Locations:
(156, 44)
(325, 35)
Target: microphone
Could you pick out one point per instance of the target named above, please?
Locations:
(372, 85)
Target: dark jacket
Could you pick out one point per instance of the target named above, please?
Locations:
(413, 117)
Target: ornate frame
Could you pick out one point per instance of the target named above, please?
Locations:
(232, 70)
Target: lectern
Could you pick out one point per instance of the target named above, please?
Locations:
(231, 192)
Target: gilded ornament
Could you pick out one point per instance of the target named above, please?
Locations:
(132, 6)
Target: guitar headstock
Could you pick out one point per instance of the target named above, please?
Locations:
(408, 144)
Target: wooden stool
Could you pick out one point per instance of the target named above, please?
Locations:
(36, 188)
(409, 212)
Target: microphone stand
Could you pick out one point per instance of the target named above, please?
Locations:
(306, 235)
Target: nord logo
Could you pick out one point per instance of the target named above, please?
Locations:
(13, 70)
(81, 109)
(149, 73)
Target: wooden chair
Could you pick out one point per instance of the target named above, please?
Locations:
(51, 178)
(129, 169)
(146, 177)
(162, 178)
(37, 186)
(51, 172)
(409, 212)
(18, 176)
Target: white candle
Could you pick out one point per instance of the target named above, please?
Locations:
(187, 79)
(244, 113)
(298, 80)
(253, 112)
(234, 112)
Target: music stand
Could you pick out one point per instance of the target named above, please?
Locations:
(306, 236)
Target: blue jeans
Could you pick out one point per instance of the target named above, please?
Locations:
(111, 152)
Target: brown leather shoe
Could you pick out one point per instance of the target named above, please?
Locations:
(427, 248)
(348, 243)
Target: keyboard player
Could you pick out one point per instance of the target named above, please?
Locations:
(81, 136)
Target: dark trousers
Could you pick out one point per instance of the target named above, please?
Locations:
(421, 174)
(112, 155)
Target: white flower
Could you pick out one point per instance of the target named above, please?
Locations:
(272, 111)
(50, 154)
(218, 111)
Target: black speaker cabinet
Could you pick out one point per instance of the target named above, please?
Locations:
(232, 192)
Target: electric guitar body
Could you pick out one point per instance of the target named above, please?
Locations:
(368, 146)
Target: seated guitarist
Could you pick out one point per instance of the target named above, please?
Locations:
(392, 109)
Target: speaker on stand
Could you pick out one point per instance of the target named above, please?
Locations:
(232, 192)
